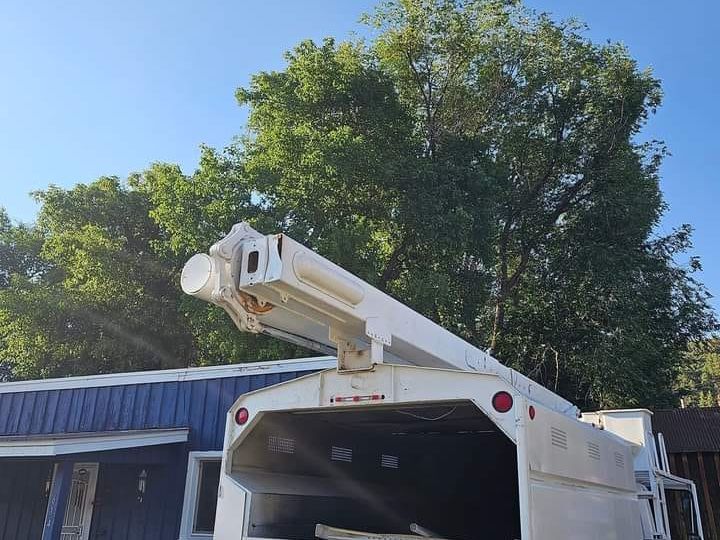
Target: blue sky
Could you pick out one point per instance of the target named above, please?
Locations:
(104, 88)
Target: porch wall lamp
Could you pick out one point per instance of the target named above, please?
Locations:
(142, 484)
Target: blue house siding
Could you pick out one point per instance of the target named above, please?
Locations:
(119, 515)
(117, 512)
(199, 404)
(22, 498)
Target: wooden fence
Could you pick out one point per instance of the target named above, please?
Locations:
(703, 468)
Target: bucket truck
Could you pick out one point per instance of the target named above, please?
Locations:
(416, 433)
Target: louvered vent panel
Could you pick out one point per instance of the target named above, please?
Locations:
(389, 462)
(619, 459)
(338, 453)
(593, 450)
(283, 445)
(558, 438)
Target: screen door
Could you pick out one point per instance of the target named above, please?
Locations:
(78, 514)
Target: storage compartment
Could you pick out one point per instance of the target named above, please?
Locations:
(444, 466)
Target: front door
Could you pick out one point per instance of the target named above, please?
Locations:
(78, 514)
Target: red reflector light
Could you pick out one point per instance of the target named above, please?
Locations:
(502, 402)
(242, 416)
(531, 412)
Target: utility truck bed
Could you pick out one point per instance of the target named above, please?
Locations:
(382, 449)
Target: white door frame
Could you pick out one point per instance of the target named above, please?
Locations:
(86, 519)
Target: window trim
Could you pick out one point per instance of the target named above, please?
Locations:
(192, 483)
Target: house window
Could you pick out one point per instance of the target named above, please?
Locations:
(201, 487)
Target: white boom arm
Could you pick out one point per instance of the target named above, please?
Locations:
(276, 286)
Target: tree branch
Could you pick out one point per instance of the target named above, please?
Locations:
(394, 264)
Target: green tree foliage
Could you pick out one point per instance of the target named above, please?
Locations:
(478, 161)
(520, 207)
(548, 115)
(89, 294)
(698, 382)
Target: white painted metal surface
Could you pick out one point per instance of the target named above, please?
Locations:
(575, 481)
(274, 285)
(650, 468)
(601, 496)
(170, 375)
(320, 392)
(76, 443)
(399, 384)
(325, 532)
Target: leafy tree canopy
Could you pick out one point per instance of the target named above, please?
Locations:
(89, 294)
(698, 382)
(474, 159)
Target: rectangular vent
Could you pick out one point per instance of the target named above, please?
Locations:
(619, 460)
(338, 453)
(389, 462)
(558, 438)
(593, 450)
(281, 444)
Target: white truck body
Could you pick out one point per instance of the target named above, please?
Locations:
(443, 439)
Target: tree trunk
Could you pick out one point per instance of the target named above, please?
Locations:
(394, 265)
(498, 321)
